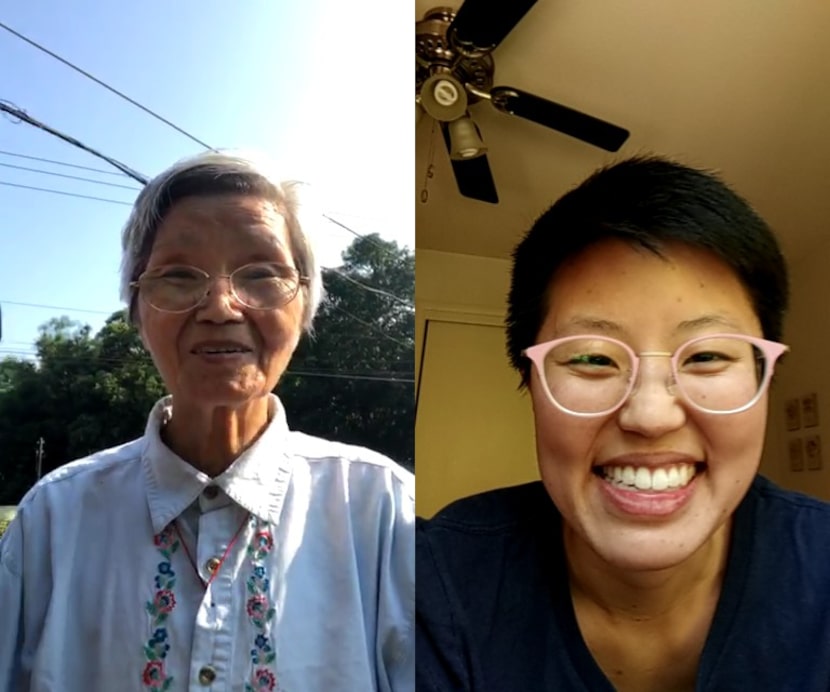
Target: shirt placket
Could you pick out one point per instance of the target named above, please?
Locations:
(216, 622)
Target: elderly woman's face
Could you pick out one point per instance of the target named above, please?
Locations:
(221, 353)
(653, 304)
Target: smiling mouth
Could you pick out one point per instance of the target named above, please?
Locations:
(220, 350)
(650, 479)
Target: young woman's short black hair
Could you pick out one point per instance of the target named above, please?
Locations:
(647, 202)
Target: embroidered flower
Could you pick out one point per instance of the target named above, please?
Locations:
(165, 601)
(258, 584)
(260, 611)
(155, 676)
(256, 606)
(261, 545)
(153, 673)
(166, 539)
(156, 650)
(263, 680)
(166, 577)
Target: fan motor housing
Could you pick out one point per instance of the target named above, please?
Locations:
(434, 54)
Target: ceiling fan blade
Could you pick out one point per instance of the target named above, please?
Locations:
(473, 176)
(483, 24)
(558, 117)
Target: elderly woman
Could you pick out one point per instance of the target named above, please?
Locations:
(220, 550)
(644, 317)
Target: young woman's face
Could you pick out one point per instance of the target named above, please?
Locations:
(654, 304)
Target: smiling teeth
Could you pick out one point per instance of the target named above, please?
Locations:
(643, 478)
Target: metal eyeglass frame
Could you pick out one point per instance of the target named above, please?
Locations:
(299, 280)
(772, 351)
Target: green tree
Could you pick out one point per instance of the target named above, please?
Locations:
(353, 380)
(86, 393)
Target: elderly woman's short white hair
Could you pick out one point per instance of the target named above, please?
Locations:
(216, 173)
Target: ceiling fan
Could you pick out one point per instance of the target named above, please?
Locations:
(454, 69)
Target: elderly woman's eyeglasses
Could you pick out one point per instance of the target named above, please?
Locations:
(594, 375)
(259, 286)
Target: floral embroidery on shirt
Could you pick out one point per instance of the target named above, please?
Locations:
(258, 607)
(260, 612)
(155, 676)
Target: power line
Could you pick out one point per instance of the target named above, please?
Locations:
(127, 187)
(338, 376)
(66, 194)
(352, 231)
(70, 177)
(335, 270)
(105, 85)
(61, 163)
(20, 114)
(137, 176)
(372, 289)
(371, 326)
(56, 307)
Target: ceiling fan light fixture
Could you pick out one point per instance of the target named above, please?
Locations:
(465, 140)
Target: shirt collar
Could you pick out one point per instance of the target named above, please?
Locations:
(257, 479)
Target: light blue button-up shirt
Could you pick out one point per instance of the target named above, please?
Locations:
(306, 547)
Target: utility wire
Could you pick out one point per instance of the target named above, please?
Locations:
(66, 194)
(105, 85)
(372, 289)
(372, 240)
(20, 114)
(335, 270)
(127, 187)
(56, 307)
(371, 326)
(60, 163)
(70, 177)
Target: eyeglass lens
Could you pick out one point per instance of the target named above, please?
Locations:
(261, 286)
(593, 374)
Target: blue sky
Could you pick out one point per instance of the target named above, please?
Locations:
(322, 86)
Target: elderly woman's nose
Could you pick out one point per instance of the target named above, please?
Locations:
(220, 299)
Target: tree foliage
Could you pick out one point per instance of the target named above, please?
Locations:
(351, 381)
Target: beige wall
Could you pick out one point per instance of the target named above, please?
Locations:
(806, 370)
(473, 289)
(473, 428)
(448, 282)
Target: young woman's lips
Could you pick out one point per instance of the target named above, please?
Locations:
(641, 488)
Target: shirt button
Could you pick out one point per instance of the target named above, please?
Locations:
(207, 675)
(212, 565)
(211, 492)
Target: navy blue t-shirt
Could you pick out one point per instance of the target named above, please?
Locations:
(494, 610)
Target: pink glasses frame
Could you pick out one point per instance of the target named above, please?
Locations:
(772, 351)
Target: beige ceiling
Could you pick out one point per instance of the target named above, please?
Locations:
(740, 86)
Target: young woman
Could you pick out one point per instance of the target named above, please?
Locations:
(644, 317)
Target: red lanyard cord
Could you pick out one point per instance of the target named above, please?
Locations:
(224, 557)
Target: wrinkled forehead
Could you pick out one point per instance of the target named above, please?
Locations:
(228, 224)
(201, 182)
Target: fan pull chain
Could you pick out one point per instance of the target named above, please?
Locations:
(430, 172)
